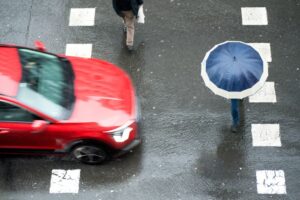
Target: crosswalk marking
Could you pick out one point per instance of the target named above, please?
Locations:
(64, 181)
(266, 135)
(270, 182)
(266, 94)
(264, 49)
(82, 17)
(79, 50)
(254, 16)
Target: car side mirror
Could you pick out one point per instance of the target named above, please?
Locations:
(39, 126)
(40, 46)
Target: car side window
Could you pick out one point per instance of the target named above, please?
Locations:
(12, 113)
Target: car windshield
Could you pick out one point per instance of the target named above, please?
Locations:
(47, 83)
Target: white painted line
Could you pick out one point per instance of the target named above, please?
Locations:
(79, 50)
(264, 49)
(270, 182)
(254, 16)
(264, 135)
(266, 94)
(65, 181)
(82, 17)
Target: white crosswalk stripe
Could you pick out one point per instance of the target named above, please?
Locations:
(254, 16)
(266, 135)
(65, 181)
(270, 182)
(79, 50)
(82, 17)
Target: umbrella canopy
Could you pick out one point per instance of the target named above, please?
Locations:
(234, 70)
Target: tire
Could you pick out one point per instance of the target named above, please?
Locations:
(90, 154)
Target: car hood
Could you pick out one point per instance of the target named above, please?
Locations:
(103, 93)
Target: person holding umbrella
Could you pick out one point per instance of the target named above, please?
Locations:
(234, 70)
(129, 10)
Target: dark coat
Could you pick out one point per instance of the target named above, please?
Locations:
(135, 4)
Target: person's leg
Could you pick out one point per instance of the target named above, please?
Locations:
(129, 22)
(235, 112)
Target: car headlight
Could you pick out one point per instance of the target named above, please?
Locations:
(122, 133)
(123, 136)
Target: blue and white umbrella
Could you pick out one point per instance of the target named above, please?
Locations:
(234, 70)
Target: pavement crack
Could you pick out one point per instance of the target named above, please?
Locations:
(29, 22)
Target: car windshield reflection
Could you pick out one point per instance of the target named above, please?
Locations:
(47, 83)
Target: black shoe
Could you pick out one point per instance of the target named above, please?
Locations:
(233, 128)
(130, 47)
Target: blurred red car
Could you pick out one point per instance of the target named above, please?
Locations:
(63, 104)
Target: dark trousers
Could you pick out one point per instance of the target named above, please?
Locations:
(235, 112)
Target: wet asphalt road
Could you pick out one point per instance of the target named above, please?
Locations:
(188, 151)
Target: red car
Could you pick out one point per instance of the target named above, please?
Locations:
(61, 104)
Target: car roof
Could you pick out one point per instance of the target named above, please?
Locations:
(10, 70)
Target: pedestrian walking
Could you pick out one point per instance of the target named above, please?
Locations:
(234, 70)
(129, 10)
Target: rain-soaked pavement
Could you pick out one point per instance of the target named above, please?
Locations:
(188, 151)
